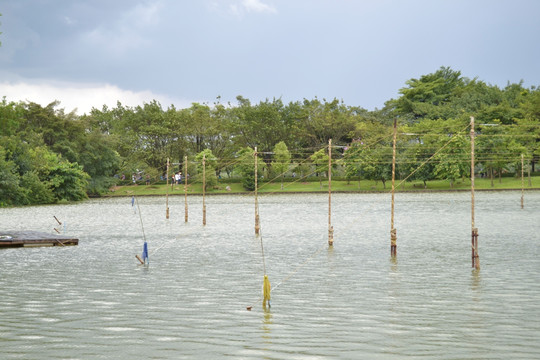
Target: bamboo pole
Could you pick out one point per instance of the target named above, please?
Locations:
(393, 231)
(257, 225)
(204, 189)
(522, 181)
(139, 258)
(330, 227)
(185, 190)
(474, 230)
(167, 196)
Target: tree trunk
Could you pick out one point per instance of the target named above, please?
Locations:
(529, 174)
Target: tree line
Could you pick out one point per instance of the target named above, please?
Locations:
(49, 156)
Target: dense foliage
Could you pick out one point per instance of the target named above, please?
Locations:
(47, 155)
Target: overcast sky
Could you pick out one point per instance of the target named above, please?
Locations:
(87, 53)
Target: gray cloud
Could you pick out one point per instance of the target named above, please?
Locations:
(358, 51)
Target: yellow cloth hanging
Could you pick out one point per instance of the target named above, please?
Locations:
(266, 290)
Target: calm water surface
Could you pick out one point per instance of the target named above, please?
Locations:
(94, 301)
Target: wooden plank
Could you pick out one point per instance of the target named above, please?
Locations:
(28, 238)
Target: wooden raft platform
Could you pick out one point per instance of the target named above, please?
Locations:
(33, 239)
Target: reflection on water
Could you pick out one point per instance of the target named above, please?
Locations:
(476, 283)
(349, 301)
(267, 324)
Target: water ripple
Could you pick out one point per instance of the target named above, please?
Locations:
(94, 301)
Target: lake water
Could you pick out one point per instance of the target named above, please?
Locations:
(352, 301)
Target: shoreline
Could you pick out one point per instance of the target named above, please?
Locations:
(250, 193)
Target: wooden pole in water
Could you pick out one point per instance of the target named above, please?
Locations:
(204, 189)
(185, 190)
(522, 181)
(474, 238)
(330, 227)
(257, 225)
(167, 196)
(139, 258)
(393, 231)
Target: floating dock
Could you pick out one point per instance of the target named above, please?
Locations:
(34, 239)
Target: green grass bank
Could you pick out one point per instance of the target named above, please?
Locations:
(313, 186)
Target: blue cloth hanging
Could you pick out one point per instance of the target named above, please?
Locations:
(145, 252)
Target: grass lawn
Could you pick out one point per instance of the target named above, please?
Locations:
(337, 186)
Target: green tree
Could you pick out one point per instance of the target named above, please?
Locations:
(66, 180)
(207, 127)
(377, 163)
(352, 161)
(262, 125)
(282, 160)
(39, 191)
(78, 139)
(321, 121)
(99, 160)
(200, 126)
(11, 192)
(427, 96)
(513, 162)
(210, 165)
(441, 145)
(473, 98)
(527, 129)
(11, 116)
(492, 148)
(453, 161)
(245, 166)
(152, 133)
(320, 160)
(36, 175)
(417, 162)
(143, 134)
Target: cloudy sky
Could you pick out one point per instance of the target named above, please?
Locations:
(88, 53)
